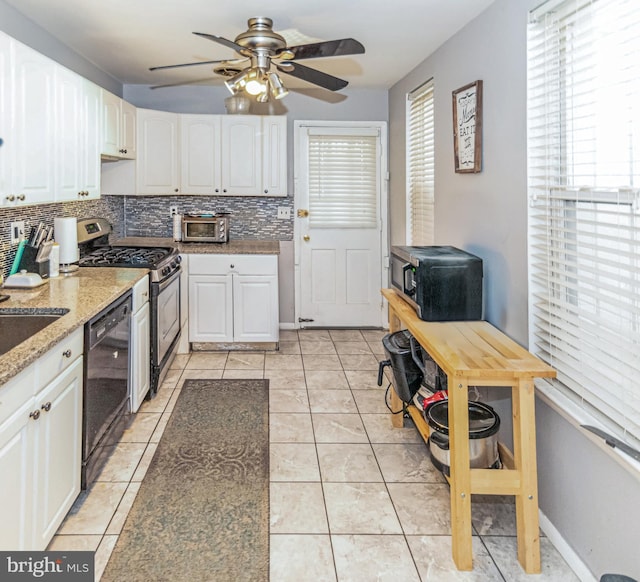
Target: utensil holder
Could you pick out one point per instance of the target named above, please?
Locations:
(29, 263)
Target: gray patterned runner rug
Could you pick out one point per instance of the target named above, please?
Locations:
(202, 511)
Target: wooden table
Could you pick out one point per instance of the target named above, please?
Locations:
(474, 353)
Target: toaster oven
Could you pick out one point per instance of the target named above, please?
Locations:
(211, 228)
(442, 283)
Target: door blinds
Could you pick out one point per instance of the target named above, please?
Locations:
(343, 179)
(584, 219)
(420, 165)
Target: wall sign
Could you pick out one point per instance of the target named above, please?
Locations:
(467, 128)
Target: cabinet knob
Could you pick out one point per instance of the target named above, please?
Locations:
(176, 190)
(67, 353)
(35, 414)
(11, 198)
(266, 191)
(217, 189)
(21, 196)
(224, 189)
(46, 407)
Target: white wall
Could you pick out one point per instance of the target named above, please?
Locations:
(486, 214)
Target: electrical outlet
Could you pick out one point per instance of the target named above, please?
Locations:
(17, 231)
(173, 210)
(284, 212)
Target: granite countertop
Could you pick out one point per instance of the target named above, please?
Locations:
(84, 293)
(233, 247)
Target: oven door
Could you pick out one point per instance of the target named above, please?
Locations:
(165, 316)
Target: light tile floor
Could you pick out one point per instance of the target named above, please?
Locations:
(352, 499)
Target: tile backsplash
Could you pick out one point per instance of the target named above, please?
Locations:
(251, 218)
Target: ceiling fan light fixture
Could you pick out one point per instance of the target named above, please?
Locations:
(256, 82)
(278, 90)
(237, 83)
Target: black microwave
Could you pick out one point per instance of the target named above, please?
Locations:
(442, 283)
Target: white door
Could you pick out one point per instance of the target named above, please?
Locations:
(340, 226)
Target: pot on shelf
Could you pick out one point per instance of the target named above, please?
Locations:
(484, 424)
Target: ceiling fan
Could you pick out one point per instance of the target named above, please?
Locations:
(265, 53)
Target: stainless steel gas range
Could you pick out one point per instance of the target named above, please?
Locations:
(164, 270)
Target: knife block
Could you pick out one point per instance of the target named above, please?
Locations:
(29, 263)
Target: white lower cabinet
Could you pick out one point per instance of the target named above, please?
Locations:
(41, 446)
(140, 369)
(233, 298)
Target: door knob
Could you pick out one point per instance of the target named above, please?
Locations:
(303, 213)
(306, 238)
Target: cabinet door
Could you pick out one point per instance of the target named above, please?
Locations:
(16, 481)
(91, 140)
(128, 136)
(274, 155)
(210, 308)
(140, 350)
(200, 154)
(111, 115)
(6, 120)
(69, 132)
(58, 452)
(241, 155)
(255, 308)
(157, 158)
(33, 162)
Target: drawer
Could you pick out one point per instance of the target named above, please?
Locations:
(59, 358)
(140, 294)
(17, 391)
(239, 264)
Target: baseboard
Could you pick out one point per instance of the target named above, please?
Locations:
(288, 325)
(565, 550)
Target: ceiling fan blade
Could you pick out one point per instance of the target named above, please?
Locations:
(228, 43)
(330, 48)
(312, 76)
(186, 65)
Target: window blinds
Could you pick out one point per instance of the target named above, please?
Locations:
(584, 219)
(420, 165)
(343, 176)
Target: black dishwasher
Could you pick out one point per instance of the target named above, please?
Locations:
(106, 385)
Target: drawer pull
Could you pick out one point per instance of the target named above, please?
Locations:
(67, 353)
(46, 407)
(35, 415)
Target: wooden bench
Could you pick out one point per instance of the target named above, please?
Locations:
(474, 353)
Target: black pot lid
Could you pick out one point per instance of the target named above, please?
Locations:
(400, 340)
(483, 421)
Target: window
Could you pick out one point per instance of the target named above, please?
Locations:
(420, 165)
(584, 218)
(343, 178)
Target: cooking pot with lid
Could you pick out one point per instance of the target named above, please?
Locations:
(484, 424)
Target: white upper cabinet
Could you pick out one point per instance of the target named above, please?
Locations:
(274, 155)
(34, 122)
(157, 161)
(118, 127)
(215, 155)
(241, 155)
(6, 125)
(50, 120)
(200, 154)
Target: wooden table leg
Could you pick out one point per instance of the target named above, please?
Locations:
(460, 473)
(524, 453)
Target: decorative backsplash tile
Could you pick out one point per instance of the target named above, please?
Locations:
(251, 218)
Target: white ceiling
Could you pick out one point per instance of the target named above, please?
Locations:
(126, 37)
